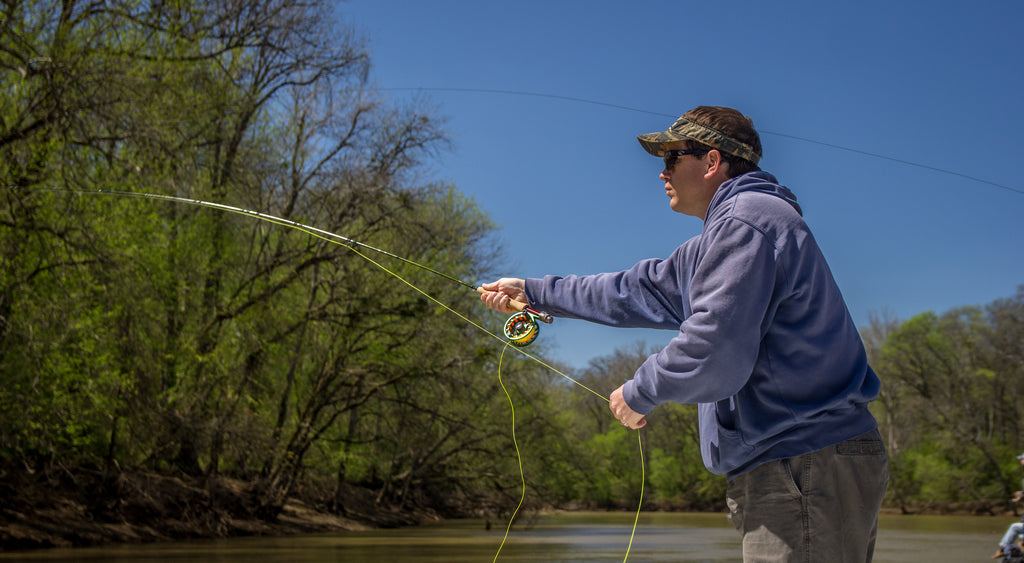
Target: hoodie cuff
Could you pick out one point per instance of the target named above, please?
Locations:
(534, 289)
(636, 399)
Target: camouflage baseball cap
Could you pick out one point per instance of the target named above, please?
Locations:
(686, 130)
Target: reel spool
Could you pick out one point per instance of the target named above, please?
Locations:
(521, 329)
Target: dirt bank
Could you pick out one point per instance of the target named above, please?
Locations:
(87, 508)
(84, 508)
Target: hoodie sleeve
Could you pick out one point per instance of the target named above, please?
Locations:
(648, 295)
(714, 353)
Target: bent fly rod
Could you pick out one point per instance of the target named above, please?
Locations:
(521, 328)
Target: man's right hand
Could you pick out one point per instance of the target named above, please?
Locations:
(497, 294)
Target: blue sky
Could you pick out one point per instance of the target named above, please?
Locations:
(545, 99)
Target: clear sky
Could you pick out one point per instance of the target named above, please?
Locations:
(545, 99)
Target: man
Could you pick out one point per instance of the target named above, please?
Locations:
(766, 347)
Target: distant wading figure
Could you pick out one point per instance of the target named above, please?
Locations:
(1010, 547)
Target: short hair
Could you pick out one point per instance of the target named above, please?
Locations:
(730, 123)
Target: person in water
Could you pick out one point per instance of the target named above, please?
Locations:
(1013, 531)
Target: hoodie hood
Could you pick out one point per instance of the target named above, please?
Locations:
(757, 181)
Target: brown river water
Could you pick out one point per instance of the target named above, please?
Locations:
(589, 536)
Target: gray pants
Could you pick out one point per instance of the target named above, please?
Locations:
(821, 506)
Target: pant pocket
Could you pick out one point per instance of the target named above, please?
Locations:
(735, 497)
(868, 444)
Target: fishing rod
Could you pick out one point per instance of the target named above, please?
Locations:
(521, 328)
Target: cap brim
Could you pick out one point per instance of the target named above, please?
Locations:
(655, 143)
(685, 130)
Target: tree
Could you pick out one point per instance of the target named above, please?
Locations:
(176, 338)
(944, 401)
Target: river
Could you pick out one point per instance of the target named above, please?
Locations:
(589, 536)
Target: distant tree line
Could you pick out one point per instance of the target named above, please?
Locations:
(951, 402)
(139, 335)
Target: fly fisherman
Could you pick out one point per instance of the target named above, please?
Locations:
(765, 346)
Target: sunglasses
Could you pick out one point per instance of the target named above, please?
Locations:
(672, 156)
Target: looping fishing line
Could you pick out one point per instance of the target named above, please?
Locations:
(519, 457)
(522, 476)
(351, 245)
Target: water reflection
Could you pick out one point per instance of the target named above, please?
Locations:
(592, 537)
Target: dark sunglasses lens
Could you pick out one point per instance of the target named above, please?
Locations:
(672, 156)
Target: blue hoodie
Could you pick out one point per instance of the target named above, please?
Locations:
(766, 346)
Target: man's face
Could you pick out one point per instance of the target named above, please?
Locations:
(685, 184)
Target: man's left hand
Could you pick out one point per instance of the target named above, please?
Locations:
(627, 416)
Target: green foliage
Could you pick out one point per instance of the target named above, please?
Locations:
(143, 334)
(613, 473)
(949, 407)
(935, 473)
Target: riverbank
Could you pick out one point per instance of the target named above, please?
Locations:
(88, 509)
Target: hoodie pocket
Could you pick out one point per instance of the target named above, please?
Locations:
(733, 450)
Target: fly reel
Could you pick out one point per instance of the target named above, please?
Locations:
(521, 329)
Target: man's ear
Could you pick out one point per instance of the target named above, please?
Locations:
(715, 164)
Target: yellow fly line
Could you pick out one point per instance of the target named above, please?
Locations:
(522, 476)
